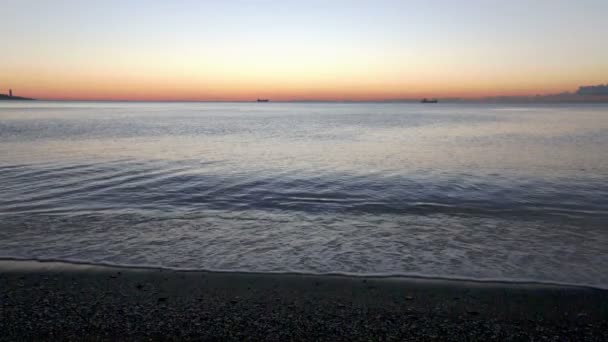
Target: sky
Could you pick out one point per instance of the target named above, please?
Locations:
(300, 50)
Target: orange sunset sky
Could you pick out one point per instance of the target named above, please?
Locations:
(296, 50)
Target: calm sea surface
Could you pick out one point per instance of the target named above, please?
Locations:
(511, 192)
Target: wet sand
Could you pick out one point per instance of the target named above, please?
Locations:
(56, 301)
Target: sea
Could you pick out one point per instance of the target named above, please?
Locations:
(501, 192)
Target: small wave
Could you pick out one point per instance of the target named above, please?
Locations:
(192, 186)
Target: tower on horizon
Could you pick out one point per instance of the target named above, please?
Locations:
(10, 92)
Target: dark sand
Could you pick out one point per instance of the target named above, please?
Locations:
(55, 301)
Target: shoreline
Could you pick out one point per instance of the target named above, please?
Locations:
(24, 264)
(50, 300)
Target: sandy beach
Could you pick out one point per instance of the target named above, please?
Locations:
(58, 301)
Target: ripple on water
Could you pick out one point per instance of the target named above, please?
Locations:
(454, 191)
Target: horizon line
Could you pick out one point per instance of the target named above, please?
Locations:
(557, 96)
(494, 99)
(564, 96)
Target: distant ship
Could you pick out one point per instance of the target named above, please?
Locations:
(263, 100)
(425, 100)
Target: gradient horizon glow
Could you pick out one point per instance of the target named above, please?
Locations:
(300, 50)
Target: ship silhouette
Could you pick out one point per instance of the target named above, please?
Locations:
(425, 100)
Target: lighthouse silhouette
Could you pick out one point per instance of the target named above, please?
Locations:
(10, 92)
